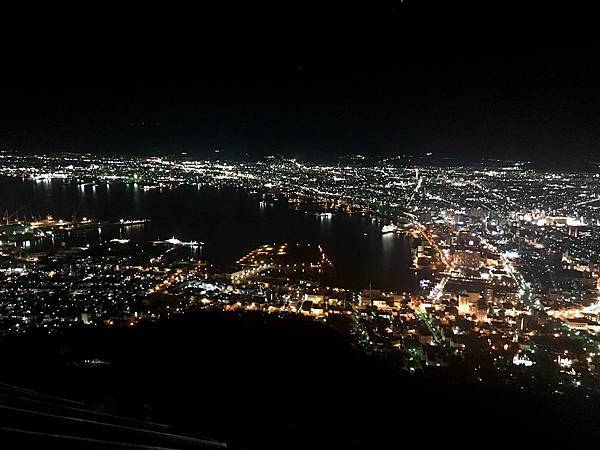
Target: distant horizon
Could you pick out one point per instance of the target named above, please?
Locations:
(431, 159)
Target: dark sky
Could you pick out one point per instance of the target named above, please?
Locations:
(398, 78)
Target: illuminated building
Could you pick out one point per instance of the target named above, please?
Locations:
(466, 259)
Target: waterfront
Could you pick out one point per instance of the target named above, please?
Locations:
(228, 221)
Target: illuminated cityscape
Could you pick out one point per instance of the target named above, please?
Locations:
(294, 226)
(506, 258)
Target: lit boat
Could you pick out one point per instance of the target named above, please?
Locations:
(120, 241)
(133, 221)
(391, 228)
(175, 241)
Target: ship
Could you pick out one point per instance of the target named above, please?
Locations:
(391, 228)
(127, 222)
(175, 241)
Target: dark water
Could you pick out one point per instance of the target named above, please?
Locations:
(228, 221)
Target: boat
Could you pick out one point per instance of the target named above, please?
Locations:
(391, 228)
(127, 222)
(175, 241)
(120, 241)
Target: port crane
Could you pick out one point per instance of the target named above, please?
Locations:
(7, 216)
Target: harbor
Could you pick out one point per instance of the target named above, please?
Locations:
(15, 230)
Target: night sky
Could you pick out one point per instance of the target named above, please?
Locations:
(402, 78)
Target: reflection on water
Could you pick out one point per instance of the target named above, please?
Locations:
(229, 222)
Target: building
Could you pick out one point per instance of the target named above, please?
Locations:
(466, 259)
